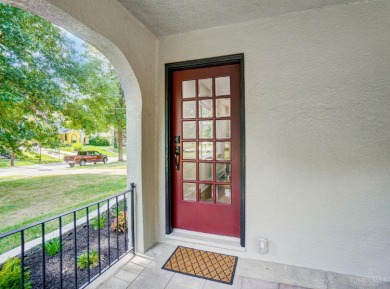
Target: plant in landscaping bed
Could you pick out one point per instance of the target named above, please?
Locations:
(82, 260)
(99, 223)
(53, 246)
(121, 208)
(119, 223)
(11, 273)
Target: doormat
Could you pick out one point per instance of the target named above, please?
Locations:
(202, 264)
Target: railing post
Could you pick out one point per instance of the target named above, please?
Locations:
(22, 245)
(126, 215)
(43, 257)
(75, 246)
(61, 248)
(132, 197)
(117, 226)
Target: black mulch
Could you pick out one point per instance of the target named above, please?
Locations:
(33, 257)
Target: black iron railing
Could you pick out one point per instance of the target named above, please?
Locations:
(97, 234)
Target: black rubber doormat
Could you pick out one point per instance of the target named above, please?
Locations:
(202, 264)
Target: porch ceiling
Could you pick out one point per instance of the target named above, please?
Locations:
(170, 17)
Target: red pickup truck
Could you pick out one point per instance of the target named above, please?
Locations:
(84, 157)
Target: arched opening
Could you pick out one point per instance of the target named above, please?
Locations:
(129, 83)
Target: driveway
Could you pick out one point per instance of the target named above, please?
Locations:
(57, 169)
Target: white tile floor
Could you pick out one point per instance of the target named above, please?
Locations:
(144, 272)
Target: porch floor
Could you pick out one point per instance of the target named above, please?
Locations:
(145, 272)
(136, 272)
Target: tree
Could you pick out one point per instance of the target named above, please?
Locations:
(43, 78)
(15, 133)
(38, 70)
(46, 136)
(102, 105)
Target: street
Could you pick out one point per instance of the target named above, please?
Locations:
(58, 169)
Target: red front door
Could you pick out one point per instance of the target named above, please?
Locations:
(206, 149)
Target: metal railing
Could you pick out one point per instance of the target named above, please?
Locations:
(102, 227)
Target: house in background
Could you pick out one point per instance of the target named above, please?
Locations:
(70, 136)
(254, 119)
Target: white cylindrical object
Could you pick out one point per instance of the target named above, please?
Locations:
(263, 245)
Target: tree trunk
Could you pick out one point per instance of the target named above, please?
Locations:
(40, 153)
(120, 145)
(12, 162)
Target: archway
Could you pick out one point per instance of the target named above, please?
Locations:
(129, 85)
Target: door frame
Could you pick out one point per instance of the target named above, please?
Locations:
(201, 63)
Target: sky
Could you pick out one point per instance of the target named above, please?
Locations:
(78, 42)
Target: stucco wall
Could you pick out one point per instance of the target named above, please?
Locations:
(317, 90)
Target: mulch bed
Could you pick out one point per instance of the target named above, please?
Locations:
(33, 257)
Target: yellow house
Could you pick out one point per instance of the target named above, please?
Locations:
(69, 136)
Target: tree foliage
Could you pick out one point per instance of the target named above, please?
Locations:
(38, 69)
(43, 79)
(103, 104)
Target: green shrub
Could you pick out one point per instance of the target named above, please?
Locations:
(53, 246)
(11, 273)
(82, 260)
(121, 207)
(20, 156)
(99, 141)
(77, 146)
(99, 223)
(119, 223)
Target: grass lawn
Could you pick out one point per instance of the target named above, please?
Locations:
(30, 159)
(106, 150)
(26, 201)
(9, 177)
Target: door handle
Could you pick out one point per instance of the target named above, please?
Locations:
(177, 157)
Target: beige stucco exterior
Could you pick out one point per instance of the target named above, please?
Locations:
(317, 124)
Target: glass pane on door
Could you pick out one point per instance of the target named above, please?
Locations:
(224, 194)
(223, 151)
(223, 107)
(189, 89)
(222, 86)
(189, 192)
(205, 108)
(206, 129)
(189, 171)
(189, 150)
(189, 109)
(223, 172)
(206, 150)
(205, 171)
(189, 129)
(223, 129)
(206, 193)
(205, 87)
